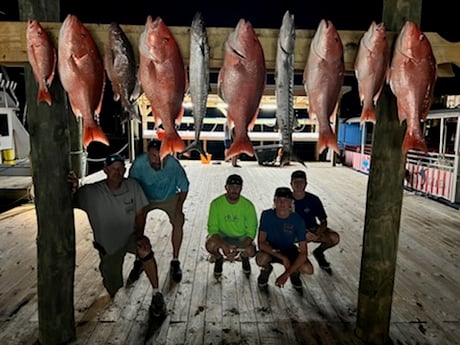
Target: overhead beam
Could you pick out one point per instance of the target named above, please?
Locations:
(13, 44)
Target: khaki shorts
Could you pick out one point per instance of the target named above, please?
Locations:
(111, 266)
(168, 206)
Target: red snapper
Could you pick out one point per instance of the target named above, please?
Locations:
(42, 56)
(164, 81)
(241, 83)
(371, 67)
(412, 80)
(323, 78)
(82, 74)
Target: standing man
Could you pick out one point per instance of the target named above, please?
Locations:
(166, 185)
(115, 209)
(282, 240)
(232, 227)
(311, 209)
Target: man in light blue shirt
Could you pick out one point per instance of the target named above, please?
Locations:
(166, 185)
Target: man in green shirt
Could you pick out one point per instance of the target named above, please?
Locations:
(232, 227)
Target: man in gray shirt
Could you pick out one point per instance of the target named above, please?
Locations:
(115, 209)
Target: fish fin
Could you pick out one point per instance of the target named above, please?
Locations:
(91, 134)
(415, 142)
(253, 120)
(44, 96)
(288, 157)
(171, 143)
(179, 116)
(367, 115)
(327, 139)
(240, 146)
(194, 146)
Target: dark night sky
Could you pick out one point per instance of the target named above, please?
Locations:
(437, 15)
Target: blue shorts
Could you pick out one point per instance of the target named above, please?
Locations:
(292, 253)
(227, 143)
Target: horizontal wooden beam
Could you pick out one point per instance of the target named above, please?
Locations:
(13, 44)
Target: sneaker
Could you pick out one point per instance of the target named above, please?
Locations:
(262, 280)
(136, 272)
(296, 281)
(323, 264)
(157, 306)
(218, 265)
(246, 266)
(175, 271)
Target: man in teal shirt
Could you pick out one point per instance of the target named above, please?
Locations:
(166, 185)
(232, 227)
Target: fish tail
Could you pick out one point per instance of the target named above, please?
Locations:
(240, 146)
(327, 139)
(91, 134)
(367, 115)
(412, 141)
(289, 157)
(171, 143)
(196, 145)
(44, 96)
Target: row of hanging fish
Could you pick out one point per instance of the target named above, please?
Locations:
(411, 75)
(163, 78)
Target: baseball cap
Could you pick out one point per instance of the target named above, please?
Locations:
(154, 144)
(283, 192)
(235, 179)
(114, 158)
(299, 174)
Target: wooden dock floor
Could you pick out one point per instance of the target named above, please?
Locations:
(425, 308)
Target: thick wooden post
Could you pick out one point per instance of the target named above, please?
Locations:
(381, 226)
(50, 149)
(384, 201)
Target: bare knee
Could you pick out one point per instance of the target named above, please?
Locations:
(250, 250)
(263, 259)
(144, 247)
(334, 237)
(306, 268)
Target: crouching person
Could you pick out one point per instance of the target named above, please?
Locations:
(282, 240)
(115, 209)
(232, 227)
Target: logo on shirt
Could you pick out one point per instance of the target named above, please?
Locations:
(288, 229)
(230, 218)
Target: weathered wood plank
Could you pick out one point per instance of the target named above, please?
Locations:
(14, 52)
(424, 308)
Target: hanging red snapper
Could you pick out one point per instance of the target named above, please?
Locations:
(371, 67)
(323, 78)
(164, 81)
(412, 80)
(42, 56)
(241, 83)
(82, 74)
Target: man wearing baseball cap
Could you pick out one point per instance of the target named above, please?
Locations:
(282, 240)
(232, 227)
(311, 209)
(115, 209)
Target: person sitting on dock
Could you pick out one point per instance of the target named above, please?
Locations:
(115, 209)
(166, 185)
(232, 227)
(282, 240)
(311, 209)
